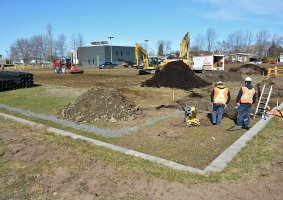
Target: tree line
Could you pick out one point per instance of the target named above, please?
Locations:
(42, 48)
(262, 44)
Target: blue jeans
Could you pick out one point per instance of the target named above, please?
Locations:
(217, 113)
(244, 115)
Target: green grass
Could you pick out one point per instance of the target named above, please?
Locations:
(35, 99)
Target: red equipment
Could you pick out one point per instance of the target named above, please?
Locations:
(65, 66)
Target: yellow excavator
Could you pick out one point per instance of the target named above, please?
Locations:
(184, 52)
(149, 65)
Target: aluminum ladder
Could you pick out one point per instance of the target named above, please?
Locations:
(263, 101)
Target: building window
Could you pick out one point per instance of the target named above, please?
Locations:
(88, 62)
(93, 62)
(121, 53)
(127, 52)
(116, 53)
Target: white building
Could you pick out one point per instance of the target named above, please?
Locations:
(242, 58)
(281, 58)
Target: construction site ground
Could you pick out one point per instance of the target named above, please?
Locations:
(35, 164)
(161, 133)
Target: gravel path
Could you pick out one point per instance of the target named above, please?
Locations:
(82, 127)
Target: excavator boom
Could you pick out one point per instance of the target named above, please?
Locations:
(148, 67)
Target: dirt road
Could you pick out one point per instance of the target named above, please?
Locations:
(35, 164)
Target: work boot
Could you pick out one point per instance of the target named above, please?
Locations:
(247, 128)
(238, 127)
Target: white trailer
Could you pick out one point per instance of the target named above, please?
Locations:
(210, 62)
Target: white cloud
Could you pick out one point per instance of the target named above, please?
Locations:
(223, 15)
(241, 9)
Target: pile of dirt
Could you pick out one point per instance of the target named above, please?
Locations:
(98, 104)
(277, 86)
(215, 76)
(249, 69)
(176, 75)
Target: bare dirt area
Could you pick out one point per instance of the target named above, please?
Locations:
(37, 165)
(250, 69)
(224, 76)
(110, 78)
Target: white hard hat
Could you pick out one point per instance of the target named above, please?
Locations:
(219, 83)
(248, 79)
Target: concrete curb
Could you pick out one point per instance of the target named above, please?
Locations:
(126, 151)
(83, 127)
(218, 164)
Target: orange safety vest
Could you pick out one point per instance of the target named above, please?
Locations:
(220, 95)
(247, 95)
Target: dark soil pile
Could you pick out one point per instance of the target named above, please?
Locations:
(215, 76)
(98, 104)
(277, 86)
(175, 75)
(249, 69)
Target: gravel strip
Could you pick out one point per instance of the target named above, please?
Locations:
(82, 127)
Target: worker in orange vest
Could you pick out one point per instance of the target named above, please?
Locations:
(220, 97)
(246, 97)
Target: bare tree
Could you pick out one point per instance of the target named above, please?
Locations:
(50, 42)
(73, 42)
(160, 46)
(44, 48)
(248, 38)
(262, 43)
(14, 54)
(199, 44)
(61, 46)
(239, 41)
(80, 40)
(221, 47)
(36, 44)
(231, 42)
(276, 46)
(210, 39)
(21, 50)
(167, 46)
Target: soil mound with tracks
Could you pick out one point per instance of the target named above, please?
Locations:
(249, 69)
(215, 76)
(98, 104)
(276, 83)
(175, 75)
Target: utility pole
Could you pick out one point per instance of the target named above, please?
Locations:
(110, 37)
(146, 44)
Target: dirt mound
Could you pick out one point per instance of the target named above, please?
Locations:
(215, 76)
(98, 104)
(176, 75)
(249, 69)
(277, 86)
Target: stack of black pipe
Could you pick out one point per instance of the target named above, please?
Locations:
(14, 80)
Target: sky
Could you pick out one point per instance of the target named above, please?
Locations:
(131, 21)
